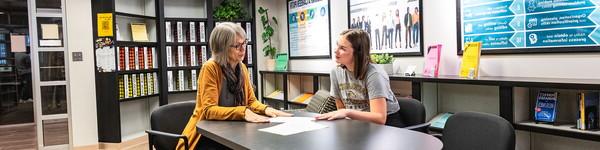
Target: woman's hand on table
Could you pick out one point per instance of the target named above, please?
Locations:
(338, 114)
(276, 113)
(253, 117)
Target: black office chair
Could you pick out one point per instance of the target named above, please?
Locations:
(412, 114)
(476, 131)
(166, 124)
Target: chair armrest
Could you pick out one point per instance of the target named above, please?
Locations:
(152, 133)
(419, 127)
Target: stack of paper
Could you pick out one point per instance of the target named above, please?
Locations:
(293, 125)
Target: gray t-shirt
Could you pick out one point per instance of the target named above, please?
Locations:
(355, 94)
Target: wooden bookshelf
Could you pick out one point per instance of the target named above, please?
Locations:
(507, 87)
(287, 77)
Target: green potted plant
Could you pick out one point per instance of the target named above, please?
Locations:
(385, 61)
(229, 10)
(267, 23)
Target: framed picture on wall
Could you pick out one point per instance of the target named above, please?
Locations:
(517, 26)
(395, 26)
(309, 29)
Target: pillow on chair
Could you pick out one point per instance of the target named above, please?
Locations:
(321, 103)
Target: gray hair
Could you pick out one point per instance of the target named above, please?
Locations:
(222, 38)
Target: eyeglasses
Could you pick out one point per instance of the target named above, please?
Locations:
(240, 45)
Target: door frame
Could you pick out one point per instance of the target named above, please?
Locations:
(34, 13)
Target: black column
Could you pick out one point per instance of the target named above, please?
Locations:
(506, 103)
(416, 90)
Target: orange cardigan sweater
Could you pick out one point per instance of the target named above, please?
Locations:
(207, 100)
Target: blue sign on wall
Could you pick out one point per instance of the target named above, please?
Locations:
(530, 26)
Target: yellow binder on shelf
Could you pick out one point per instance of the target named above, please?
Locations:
(303, 98)
(138, 32)
(581, 123)
(469, 67)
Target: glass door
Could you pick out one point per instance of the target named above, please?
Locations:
(50, 73)
(17, 127)
(16, 105)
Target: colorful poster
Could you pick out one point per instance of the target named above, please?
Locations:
(105, 55)
(394, 25)
(105, 24)
(526, 26)
(308, 26)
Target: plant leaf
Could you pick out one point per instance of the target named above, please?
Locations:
(275, 20)
(264, 20)
(265, 37)
(269, 29)
(273, 51)
(266, 50)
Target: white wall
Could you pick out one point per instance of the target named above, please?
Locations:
(81, 74)
(276, 9)
(439, 23)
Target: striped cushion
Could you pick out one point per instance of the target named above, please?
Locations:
(321, 103)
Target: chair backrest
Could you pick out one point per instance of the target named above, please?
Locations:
(412, 111)
(321, 102)
(475, 131)
(171, 118)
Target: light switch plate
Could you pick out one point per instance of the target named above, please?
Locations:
(77, 56)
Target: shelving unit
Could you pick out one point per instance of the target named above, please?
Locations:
(184, 16)
(186, 49)
(291, 87)
(515, 102)
(516, 97)
(123, 116)
(132, 89)
(131, 43)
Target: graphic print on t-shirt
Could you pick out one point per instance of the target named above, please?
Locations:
(354, 96)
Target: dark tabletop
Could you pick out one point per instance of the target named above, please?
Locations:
(340, 134)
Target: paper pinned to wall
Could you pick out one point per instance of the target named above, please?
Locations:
(17, 43)
(50, 32)
(105, 24)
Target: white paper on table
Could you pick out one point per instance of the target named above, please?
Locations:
(290, 128)
(291, 119)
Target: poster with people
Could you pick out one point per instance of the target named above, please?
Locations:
(393, 25)
(530, 26)
(308, 26)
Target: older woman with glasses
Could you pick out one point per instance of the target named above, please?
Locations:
(224, 88)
